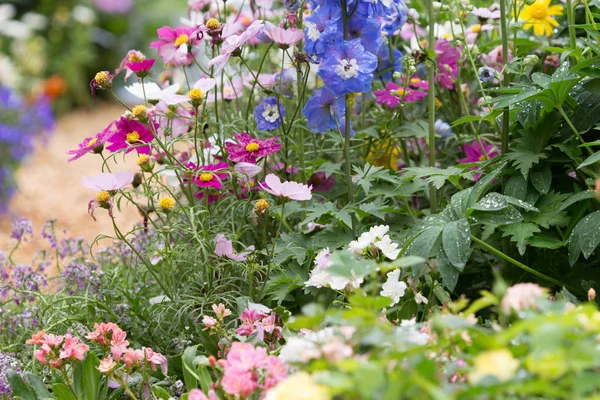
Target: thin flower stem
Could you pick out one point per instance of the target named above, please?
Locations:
(571, 21)
(431, 101)
(575, 131)
(504, 31)
(511, 260)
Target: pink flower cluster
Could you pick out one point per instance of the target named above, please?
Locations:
(213, 323)
(113, 338)
(55, 350)
(248, 368)
(261, 321)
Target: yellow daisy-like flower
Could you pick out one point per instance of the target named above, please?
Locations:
(539, 16)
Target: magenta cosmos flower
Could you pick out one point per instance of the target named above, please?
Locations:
(209, 176)
(290, 190)
(393, 94)
(284, 37)
(249, 149)
(130, 135)
(174, 45)
(91, 144)
(447, 63)
(131, 56)
(474, 153)
(105, 185)
(140, 68)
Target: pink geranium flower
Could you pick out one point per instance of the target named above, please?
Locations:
(130, 135)
(107, 364)
(393, 94)
(174, 45)
(72, 349)
(249, 149)
(224, 248)
(290, 190)
(197, 394)
(284, 38)
(105, 184)
(447, 63)
(140, 68)
(91, 144)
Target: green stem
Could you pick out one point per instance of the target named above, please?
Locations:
(511, 260)
(504, 31)
(431, 101)
(575, 131)
(571, 21)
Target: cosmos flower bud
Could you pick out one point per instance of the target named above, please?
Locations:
(139, 112)
(137, 180)
(166, 204)
(213, 24)
(261, 207)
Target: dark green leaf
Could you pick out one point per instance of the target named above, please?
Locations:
(456, 240)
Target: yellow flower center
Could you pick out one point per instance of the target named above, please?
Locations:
(181, 39)
(102, 78)
(206, 177)
(415, 81)
(166, 203)
(143, 159)
(447, 36)
(133, 137)
(251, 147)
(399, 92)
(476, 28)
(138, 110)
(482, 157)
(196, 94)
(213, 24)
(92, 142)
(539, 10)
(438, 103)
(103, 196)
(261, 205)
(135, 58)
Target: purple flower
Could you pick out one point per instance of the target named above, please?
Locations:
(8, 363)
(21, 228)
(48, 233)
(348, 68)
(268, 115)
(325, 111)
(81, 277)
(321, 182)
(248, 149)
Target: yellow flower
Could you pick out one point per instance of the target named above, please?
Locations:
(213, 24)
(299, 386)
(166, 204)
(539, 16)
(497, 363)
(385, 154)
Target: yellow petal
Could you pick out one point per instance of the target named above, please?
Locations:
(551, 21)
(555, 10)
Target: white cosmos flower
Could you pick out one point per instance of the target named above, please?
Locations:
(154, 91)
(394, 288)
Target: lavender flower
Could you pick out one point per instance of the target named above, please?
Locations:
(80, 277)
(21, 228)
(48, 233)
(8, 363)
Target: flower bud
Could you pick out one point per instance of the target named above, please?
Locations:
(137, 180)
(531, 60)
(166, 204)
(591, 294)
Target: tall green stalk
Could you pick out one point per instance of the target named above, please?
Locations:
(571, 21)
(431, 101)
(505, 113)
(348, 116)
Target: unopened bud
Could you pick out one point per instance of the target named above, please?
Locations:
(531, 60)
(591, 294)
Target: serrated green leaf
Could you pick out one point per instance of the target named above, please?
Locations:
(524, 159)
(519, 233)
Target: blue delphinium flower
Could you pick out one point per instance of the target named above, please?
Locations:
(321, 28)
(384, 67)
(443, 128)
(287, 81)
(348, 68)
(394, 16)
(268, 115)
(325, 111)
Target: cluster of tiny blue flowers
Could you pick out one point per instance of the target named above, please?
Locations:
(20, 124)
(350, 56)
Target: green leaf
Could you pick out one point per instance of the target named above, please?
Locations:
(594, 158)
(62, 392)
(369, 302)
(205, 379)
(91, 377)
(520, 203)
(423, 244)
(509, 215)
(347, 265)
(437, 176)
(491, 202)
(329, 168)
(541, 179)
(545, 242)
(456, 240)
(160, 393)
(519, 233)
(187, 363)
(448, 273)
(585, 237)
(343, 216)
(482, 184)
(516, 187)
(374, 209)
(524, 159)
(36, 383)
(19, 387)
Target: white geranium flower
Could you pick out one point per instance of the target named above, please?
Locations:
(358, 246)
(420, 299)
(379, 231)
(394, 288)
(319, 277)
(388, 248)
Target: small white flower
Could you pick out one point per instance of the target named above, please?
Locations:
(420, 299)
(379, 231)
(84, 15)
(394, 288)
(388, 248)
(271, 113)
(363, 241)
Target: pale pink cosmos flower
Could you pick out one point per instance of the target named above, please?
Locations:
(224, 248)
(522, 296)
(247, 170)
(233, 42)
(107, 364)
(486, 13)
(202, 84)
(290, 190)
(105, 184)
(284, 37)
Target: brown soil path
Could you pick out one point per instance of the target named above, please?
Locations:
(50, 188)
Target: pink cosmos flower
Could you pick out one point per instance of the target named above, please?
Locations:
(202, 84)
(393, 94)
(105, 184)
(209, 176)
(284, 37)
(522, 296)
(130, 135)
(474, 153)
(264, 80)
(107, 364)
(290, 190)
(407, 31)
(131, 56)
(173, 120)
(91, 144)
(246, 169)
(486, 13)
(494, 58)
(233, 42)
(197, 394)
(248, 149)
(140, 68)
(174, 44)
(224, 248)
(447, 63)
